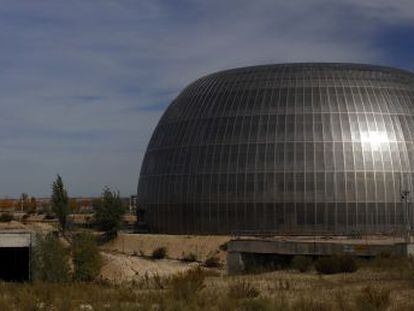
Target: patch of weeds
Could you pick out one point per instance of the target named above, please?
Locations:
(158, 281)
(302, 263)
(336, 264)
(223, 247)
(185, 286)
(190, 257)
(282, 285)
(260, 304)
(213, 262)
(389, 262)
(326, 265)
(309, 304)
(342, 302)
(159, 253)
(373, 298)
(243, 289)
(347, 263)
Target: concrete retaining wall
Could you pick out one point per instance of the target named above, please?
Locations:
(240, 248)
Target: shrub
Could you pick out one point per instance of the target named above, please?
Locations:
(336, 264)
(50, 216)
(190, 257)
(243, 289)
(327, 265)
(159, 253)
(302, 263)
(87, 260)
(373, 298)
(6, 217)
(212, 262)
(185, 286)
(107, 236)
(347, 263)
(387, 261)
(223, 247)
(108, 212)
(51, 260)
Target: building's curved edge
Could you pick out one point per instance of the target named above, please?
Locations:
(361, 66)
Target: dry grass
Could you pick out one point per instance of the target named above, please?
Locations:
(369, 288)
(381, 285)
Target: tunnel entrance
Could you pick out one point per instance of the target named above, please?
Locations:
(14, 264)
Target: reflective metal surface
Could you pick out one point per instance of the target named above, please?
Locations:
(292, 148)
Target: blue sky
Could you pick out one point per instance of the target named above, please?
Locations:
(83, 83)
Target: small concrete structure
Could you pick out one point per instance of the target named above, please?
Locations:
(239, 248)
(15, 254)
(15, 238)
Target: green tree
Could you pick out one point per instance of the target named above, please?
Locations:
(108, 212)
(51, 260)
(87, 260)
(60, 202)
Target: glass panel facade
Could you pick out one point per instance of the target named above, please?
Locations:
(297, 148)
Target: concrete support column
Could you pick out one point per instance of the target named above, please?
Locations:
(235, 263)
(409, 249)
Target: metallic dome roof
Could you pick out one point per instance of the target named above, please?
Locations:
(311, 147)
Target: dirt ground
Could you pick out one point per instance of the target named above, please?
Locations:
(127, 258)
(119, 268)
(12, 225)
(177, 245)
(37, 227)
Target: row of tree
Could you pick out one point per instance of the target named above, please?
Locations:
(55, 262)
(108, 210)
(25, 203)
(30, 205)
(75, 256)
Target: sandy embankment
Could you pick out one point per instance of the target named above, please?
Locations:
(123, 259)
(177, 245)
(36, 227)
(123, 268)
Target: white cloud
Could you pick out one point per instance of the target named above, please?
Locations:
(395, 11)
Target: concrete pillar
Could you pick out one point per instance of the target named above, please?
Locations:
(235, 264)
(409, 249)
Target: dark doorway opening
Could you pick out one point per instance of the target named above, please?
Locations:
(14, 264)
(259, 263)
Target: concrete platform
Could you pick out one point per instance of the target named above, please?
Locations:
(368, 246)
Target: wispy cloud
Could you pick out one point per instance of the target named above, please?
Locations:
(83, 83)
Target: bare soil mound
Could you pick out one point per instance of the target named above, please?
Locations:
(178, 246)
(120, 268)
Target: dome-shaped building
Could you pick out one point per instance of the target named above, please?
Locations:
(289, 148)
